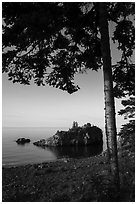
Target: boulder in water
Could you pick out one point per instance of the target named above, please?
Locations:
(22, 141)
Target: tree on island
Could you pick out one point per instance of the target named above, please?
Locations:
(50, 42)
(75, 125)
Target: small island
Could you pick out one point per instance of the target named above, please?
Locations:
(22, 141)
(76, 136)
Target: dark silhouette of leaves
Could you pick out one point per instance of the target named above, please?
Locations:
(50, 42)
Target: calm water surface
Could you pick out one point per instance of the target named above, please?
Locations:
(14, 154)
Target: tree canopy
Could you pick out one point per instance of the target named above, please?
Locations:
(50, 42)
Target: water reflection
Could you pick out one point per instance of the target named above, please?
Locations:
(23, 144)
(75, 151)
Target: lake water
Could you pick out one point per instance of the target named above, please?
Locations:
(14, 154)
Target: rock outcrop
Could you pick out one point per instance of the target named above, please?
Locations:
(85, 135)
(22, 141)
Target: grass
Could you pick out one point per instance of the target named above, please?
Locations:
(68, 180)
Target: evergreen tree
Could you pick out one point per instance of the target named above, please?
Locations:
(124, 78)
(127, 132)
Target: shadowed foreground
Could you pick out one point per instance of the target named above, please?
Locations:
(67, 180)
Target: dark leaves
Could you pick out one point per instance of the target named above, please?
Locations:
(127, 135)
(120, 10)
(129, 110)
(124, 78)
(53, 41)
(125, 35)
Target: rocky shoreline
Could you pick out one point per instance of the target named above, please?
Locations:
(76, 136)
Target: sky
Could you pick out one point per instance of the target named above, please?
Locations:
(45, 106)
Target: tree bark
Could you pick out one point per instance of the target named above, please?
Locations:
(110, 122)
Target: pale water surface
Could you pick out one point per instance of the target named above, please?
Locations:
(14, 154)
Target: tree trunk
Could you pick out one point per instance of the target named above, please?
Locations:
(110, 123)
